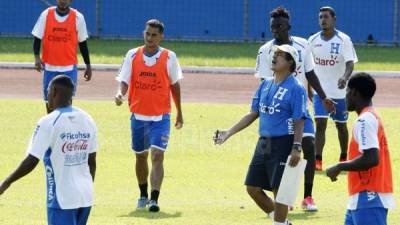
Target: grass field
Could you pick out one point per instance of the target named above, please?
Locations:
(203, 183)
(195, 54)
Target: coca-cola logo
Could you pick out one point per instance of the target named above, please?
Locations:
(78, 145)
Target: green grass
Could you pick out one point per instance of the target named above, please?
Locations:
(195, 53)
(203, 183)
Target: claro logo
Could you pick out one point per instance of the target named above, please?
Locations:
(148, 86)
(327, 62)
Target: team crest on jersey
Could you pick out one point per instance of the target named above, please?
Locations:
(335, 48)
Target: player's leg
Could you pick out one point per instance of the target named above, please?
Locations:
(309, 154)
(257, 178)
(321, 120)
(340, 118)
(159, 137)
(83, 215)
(140, 145)
(280, 150)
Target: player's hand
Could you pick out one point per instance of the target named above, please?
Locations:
(88, 73)
(179, 121)
(332, 172)
(220, 136)
(329, 105)
(342, 82)
(38, 64)
(295, 158)
(4, 186)
(118, 99)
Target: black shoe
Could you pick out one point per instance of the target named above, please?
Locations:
(153, 206)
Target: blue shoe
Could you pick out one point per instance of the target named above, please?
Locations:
(153, 206)
(142, 203)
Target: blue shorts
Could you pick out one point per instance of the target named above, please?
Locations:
(68, 216)
(370, 216)
(308, 128)
(49, 75)
(146, 134)
(268, 162)
(341, 114)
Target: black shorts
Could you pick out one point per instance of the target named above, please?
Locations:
(268, 163)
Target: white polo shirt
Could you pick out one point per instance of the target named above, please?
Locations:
(330, 57)
(40, 26)
(64, 139)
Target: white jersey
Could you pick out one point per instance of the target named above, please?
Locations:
(265, 54)
(330, 57)
(64, 139)
(40, 26)
(365, 133)
(173, 67)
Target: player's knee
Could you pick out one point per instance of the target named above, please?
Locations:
(157, 156)
(142, 157)
(308, 146)
(320, 124)
(253, 191)
(342, 127)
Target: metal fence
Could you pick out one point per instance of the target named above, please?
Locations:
(212, 20)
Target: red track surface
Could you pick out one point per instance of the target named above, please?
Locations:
(212, 88)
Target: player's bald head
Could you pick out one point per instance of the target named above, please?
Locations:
(63, 86)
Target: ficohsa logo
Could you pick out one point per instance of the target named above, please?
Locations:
(73, 136)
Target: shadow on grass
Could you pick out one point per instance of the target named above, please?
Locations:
(302, 215)
(151, 215)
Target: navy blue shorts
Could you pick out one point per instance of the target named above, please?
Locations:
(341, 114)
(370, 216)
(146, 134)
(68, 216)
(268, 162)
(49, 75)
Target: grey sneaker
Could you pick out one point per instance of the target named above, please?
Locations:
(142, 203)
(153, 206)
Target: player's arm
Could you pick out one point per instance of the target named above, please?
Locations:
(83, 47)
(346, 76)
(92, 164)
(176, 95)
(365, 161)
(313, 80)
(26, 166)
(37, 42)
(122, 89)
(221, 136)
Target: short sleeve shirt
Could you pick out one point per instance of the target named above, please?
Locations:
(63, 140)
(330, 57)
(265, 54)
(279, 105)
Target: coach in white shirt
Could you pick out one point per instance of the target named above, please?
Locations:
(66, 141)
(334, 58)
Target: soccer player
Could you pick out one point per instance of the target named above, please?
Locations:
(66, 141)
(280, 103)
(370, 183)
(334, 56)
(150, 74)
(59, 29)
(280, 26)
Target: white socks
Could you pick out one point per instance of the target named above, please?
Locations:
(271, 214)
(278, 223)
